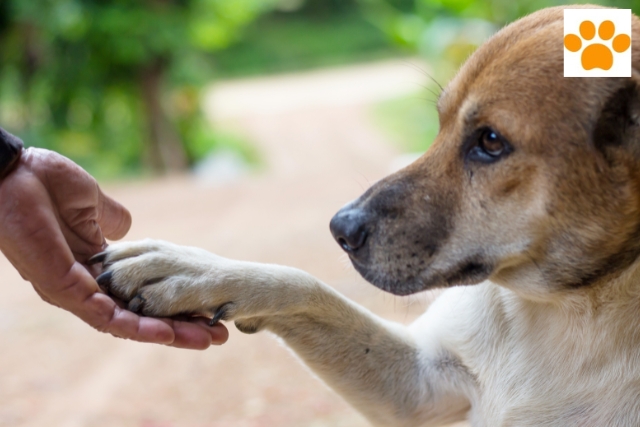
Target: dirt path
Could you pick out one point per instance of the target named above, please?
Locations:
(321, 150)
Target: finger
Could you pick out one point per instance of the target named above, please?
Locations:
(126, 324)
(114, 219)
(219, 333)
(69, 191)
(84, 238)
(103, 314)
(196, 335)
(87, 215)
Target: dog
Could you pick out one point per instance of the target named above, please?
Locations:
(526, 208)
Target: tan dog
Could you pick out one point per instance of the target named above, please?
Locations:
(530, 193)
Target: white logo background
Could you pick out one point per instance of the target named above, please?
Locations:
(621, 18)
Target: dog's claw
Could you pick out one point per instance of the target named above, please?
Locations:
(104, 280)
(220, 314)
(136, 304)
(97, 258)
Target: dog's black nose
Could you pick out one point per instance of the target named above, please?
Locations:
(349, 228)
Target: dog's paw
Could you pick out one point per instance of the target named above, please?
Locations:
(158, 278)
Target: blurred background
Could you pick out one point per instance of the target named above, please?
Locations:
(118, 85)
(239, 126)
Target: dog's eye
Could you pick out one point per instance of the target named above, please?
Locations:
(491, 143)
(489, 146)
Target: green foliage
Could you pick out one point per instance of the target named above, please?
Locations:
(446, 32)
(282, 42)
(72, 72)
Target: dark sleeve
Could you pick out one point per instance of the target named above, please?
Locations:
(10, 149)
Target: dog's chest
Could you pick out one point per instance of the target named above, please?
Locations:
(552, 396)
(545, 368)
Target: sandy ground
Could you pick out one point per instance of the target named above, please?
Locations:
(321, 150)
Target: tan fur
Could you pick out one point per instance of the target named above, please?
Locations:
(548, 235)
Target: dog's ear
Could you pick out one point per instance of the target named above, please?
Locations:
(618, 125)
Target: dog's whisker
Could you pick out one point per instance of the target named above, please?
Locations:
(431, 91)
(424, 72)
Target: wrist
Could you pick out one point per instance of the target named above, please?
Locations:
(10, 151)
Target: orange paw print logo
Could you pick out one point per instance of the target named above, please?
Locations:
(597, 55)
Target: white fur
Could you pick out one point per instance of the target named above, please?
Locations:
(482, 352)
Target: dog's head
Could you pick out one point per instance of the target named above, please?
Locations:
(533, 180)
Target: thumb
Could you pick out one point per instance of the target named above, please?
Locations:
(113, 218)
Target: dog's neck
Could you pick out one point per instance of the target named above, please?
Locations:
(616, 289)
(612, 290)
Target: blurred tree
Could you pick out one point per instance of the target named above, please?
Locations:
(88, 72)
(447, 31)
(300, 35)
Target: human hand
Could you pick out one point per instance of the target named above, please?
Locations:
(53, 218)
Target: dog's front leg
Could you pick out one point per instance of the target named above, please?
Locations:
(376, 365)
